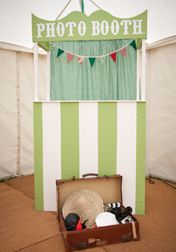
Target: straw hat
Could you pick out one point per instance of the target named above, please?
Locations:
(86, 203)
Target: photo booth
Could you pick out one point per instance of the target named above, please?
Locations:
(94, 117)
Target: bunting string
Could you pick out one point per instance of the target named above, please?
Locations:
(80, 58)
(95, 56)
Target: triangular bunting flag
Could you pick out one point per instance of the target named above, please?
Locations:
(133, 44)
(80, 59)
(92, 61)
(123, 52)
(101, 58)
(59, 52)
(69, 57)
(113, 56)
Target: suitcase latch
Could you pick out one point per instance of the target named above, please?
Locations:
(97, 241)
(126, 237)
(82, 245)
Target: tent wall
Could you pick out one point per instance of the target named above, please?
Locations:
(161, 109)
(16, 109)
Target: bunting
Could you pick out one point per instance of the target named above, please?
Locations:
(92, 61)
(123, 52)
(69, 57)
(101, 58)
(133, 44)
(59, 52)
(80, 60)
(112, 55)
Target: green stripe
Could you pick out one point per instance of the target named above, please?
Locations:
(69, 140)
(38, 156)
(107, 138)
(140, 158)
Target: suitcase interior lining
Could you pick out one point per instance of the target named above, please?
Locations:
(109, 188)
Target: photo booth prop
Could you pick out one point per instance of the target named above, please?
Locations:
(77, 136)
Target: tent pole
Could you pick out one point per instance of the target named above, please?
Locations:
(36, 98)
(143, 81)
(48, 75)
(18, 153)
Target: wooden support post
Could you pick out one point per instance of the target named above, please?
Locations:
(18, 96)
(138, 75)
(143, 80)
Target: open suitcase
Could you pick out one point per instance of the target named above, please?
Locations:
(110, 189)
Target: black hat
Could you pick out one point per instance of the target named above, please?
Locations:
(71, 221)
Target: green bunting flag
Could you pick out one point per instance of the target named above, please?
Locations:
(59, 52)
(136, 44)
(133, 44)
(92, 61)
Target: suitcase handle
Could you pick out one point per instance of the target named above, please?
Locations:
(90, 174)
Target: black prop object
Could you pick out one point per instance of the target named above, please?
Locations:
(71, 221)
(120, 212)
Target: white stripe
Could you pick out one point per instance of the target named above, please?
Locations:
(48, 71)
(126, 151)
(88, 138)
(51, 154)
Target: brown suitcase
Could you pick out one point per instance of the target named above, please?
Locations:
(109, 188)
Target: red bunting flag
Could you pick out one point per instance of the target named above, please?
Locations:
(69, 57)
(113, 56)
(123, 52)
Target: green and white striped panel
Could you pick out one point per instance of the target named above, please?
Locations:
(71, 139)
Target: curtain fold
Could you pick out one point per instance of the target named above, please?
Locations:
(104, 80)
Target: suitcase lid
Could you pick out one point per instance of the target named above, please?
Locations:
(108, 187)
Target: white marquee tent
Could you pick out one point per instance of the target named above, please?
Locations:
(16, 103)
(16, 108)
(161, 107)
